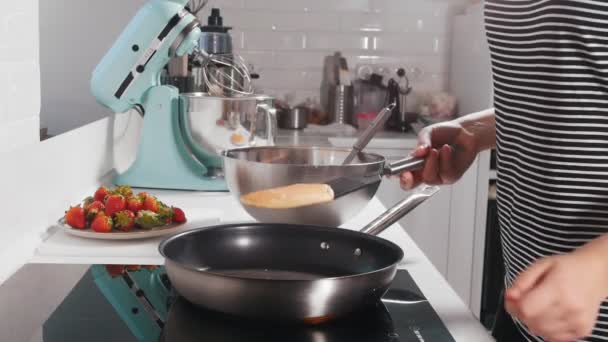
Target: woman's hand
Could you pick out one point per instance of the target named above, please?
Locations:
(558, 297)
(449, 149)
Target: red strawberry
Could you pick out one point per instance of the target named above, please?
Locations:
(135, 204)
(75, 217)
(115, 270)
(96, 205)
(124, 220)
(88, 201)
(124, 190)
(151, 203)
(178, 215)
(93, 209)
(101, 193)
(114, 204)
(142, 195)
(102, 224)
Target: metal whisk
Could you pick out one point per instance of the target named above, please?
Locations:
(225, 74)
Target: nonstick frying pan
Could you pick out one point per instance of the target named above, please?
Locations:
(288, 272)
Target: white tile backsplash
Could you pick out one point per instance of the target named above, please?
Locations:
(19, 74)
(306, 59)
(290, 79)
(341, 5)
(287, 41)
(281, 20)
(416, 44)
(272, 40)
(333, 41)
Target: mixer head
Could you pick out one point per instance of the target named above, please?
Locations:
(160, 30)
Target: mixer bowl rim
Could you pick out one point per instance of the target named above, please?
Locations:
(203, 95)
(226, 154)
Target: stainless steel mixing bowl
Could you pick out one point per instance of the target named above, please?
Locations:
(211, 124)
(258, 168)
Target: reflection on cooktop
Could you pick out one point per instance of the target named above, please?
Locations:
(187, 323)
(102, 308)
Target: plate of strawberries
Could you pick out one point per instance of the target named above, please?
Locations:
(120, 214)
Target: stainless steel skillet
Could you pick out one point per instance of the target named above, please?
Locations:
(253, 169)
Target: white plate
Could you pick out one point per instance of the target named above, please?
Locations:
(135, 234)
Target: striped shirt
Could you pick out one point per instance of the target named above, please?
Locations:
(550, 67)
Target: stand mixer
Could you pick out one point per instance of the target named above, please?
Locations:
(128, 77)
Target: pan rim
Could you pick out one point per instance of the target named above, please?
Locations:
(190, 267)
(225, 154)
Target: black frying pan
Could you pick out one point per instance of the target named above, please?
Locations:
(286, 271)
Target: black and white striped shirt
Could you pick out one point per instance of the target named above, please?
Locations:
(550, 66)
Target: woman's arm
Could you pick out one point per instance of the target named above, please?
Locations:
(482, 125)
(451, 147)
(558, 297)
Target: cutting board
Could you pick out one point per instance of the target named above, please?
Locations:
(65, 248)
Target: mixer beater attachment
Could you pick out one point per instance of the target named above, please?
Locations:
(224, 74)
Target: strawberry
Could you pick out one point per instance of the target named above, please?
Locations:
(178, 215)
(124, 190)
(102, 224)
(101, 193)
(95, 205)
(75, 217)
(135, 204)
(115, 270)
(114, 204)
(124, 220)
(88, 201)
(151, 204)
(142, 195)
(164, 212)
(93, 209)
(148, 219)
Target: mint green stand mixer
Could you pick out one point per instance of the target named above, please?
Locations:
(129, 77)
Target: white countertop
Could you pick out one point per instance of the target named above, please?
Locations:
(382, 140)
(63, 181)
(59, 247)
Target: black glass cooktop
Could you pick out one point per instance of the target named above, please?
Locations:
(140, 306)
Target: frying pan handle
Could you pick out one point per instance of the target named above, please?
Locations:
(407, 164)
(397, 212)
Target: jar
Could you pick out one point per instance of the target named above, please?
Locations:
(364, 120)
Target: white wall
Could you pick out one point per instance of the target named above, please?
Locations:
(19, 74)
(286, 39)
(74, 35)
(471, 62)
(471, 66)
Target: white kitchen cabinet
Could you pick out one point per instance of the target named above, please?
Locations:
(428, 225)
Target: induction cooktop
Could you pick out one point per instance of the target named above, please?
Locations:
(141, 306)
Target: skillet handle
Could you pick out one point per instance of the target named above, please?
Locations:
(406, 164)
(401, 209)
